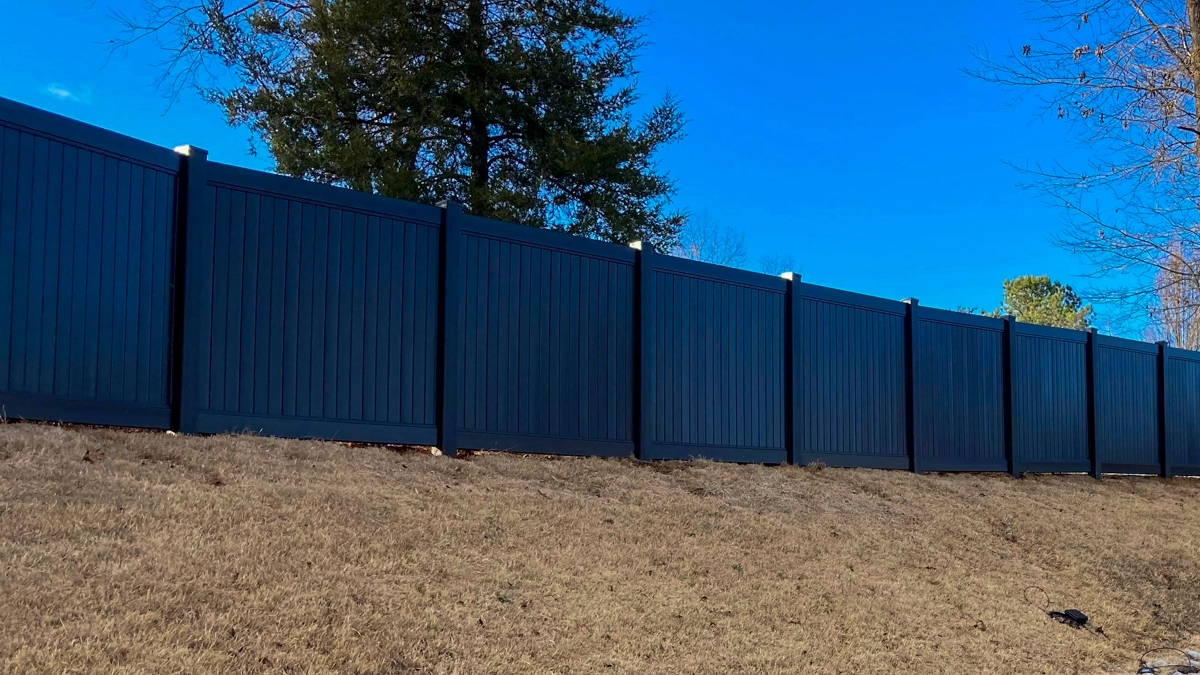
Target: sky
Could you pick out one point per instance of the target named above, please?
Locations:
(846, 135)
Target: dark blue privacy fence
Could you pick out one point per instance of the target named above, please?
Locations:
(151, 288)
(87, 236)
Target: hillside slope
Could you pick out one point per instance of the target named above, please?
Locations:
(144, 552)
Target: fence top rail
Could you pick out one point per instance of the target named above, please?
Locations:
(549, 239)
(850, 299)
(1114, 342)
(720, 273)
(1050, 332)
(1183, 354)
(953, 318)
(41, 122)
(319, 193)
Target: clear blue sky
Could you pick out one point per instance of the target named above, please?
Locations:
(845, 134)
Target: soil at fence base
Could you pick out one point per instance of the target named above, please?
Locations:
(152, 553)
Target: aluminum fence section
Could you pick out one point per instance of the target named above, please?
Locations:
(547, 351)
(1127, 421)
(1182, 371)
(1050, 399)
(717, 374)
(959, 400)
(851, 394)
(323, 316)
(87, 222)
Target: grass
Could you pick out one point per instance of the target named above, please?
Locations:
(149, 553)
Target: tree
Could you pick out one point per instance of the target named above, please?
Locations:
(777, 263)
(706, 239)
(1122, 75)
(1175, 314)
(521, 109)
(1040, 300)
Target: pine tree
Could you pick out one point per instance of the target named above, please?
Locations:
(1040, 300)
(521, 109)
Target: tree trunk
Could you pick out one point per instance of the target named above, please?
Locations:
(1193, 16)
(478, 100)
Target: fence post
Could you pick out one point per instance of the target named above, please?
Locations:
(791, 360)
(644, 363)
(1164, 463)
(910, 408)
(1009, 361)
(1090, 359)
(450, 324)
(193, 273)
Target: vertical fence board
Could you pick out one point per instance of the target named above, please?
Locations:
(239, 296)
(292, 313)
(348, 293)
(123, 370)
(47, 308)
(370, 322)
(305, 277)
(317, 323)
(31, 278)
(144, 327)
(9, 174)
(383, 328)
(277, 345)
(23, 208)
(65, 281)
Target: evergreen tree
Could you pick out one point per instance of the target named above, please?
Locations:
(521, 109)
(1039, 300)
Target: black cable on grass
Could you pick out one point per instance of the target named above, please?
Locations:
(1179, 667)
(1045, 605)
(1071, 617)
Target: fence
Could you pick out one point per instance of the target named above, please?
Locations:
(152, 288)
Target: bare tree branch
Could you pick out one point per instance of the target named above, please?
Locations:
(1122, 76)
(706, 239)
(777, 263)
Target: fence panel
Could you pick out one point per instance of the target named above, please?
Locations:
(1126, 405)
(717, 375)
(1050, 412)
(313, 311)
(959, 389)
(1183, 412)
(548, 342)
(322, 313)
(851, 395)
(86, 256)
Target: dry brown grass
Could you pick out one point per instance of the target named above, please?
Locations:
(139, 552)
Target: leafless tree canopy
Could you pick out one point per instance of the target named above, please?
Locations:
(1122, 75)
(777, 263)
(213, 45)
(706, 239)
(1175, 316)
